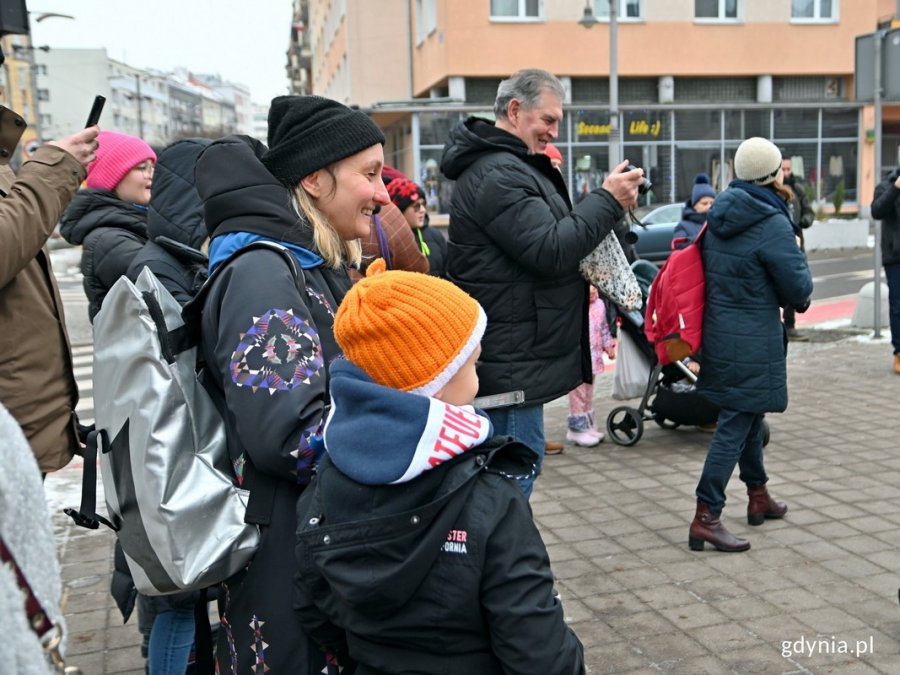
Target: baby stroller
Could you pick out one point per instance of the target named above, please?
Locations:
(670, 398)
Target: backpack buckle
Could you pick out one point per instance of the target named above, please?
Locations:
(81, 519)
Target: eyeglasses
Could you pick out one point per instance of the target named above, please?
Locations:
(418, 205)
(145, 168)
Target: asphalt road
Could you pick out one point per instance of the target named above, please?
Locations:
(839, 274)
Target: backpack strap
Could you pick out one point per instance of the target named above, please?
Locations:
(262, 487)
(86, 515)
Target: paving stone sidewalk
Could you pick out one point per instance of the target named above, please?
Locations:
(615, 522)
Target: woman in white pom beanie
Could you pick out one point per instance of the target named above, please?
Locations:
(753, 268)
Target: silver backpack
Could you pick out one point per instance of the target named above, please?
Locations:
(170, 490)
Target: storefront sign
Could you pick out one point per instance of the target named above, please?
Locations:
(635, 128)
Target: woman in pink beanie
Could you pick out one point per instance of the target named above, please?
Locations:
(109, 217)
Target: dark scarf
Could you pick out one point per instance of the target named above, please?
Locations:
(763, 193)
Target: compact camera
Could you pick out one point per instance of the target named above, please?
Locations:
(645, 185)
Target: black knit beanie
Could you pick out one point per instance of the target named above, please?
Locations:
(307, 133)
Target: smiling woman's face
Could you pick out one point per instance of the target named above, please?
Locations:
(350, 192)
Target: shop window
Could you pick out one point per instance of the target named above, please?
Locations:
(516, 9)
(814, 10)
(840, 123)
(804, 158)
(434, 128)
(698, 125)
(438, 188)
(591, 126)
(838, 171)
(655, 160)
(689, 161)
(796, 123)
(627, 9)
(717, 10)
(589, 169)
(646, 125)
(743, 124)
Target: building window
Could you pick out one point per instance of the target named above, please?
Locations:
(628, 9)
(717, 10)
(43, 95)
(426, 19)
(814, 10)
(516, 9)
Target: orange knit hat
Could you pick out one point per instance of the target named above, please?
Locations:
(407, 330)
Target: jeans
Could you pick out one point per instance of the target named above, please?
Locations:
(170, 642)
(892, 275)
(738, 440)
(526, 425)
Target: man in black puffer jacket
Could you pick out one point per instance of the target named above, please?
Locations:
(515, 244)
(886, 207)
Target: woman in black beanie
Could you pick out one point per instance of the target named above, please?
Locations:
(267, 338)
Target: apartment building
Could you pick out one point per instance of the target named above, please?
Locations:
(695, 77)
(17, 90)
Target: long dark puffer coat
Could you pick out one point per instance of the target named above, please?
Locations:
(753, 267)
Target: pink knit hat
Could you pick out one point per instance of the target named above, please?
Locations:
(117, 155)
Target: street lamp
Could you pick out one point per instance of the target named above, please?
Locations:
(588, 21)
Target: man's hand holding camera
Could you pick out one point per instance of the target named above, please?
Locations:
(624, 184)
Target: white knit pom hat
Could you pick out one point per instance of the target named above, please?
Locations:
(757, 161)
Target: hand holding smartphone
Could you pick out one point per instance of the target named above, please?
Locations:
(94, 116)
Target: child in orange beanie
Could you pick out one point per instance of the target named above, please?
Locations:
(416, 549)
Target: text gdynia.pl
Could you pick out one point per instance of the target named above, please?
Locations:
(809, 647)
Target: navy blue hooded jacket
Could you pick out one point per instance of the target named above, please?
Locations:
(753, 267)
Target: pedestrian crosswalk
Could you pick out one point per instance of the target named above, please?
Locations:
(83, 365)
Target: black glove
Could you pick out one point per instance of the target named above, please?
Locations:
(803, 306)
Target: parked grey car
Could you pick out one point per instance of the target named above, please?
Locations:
(654, 238)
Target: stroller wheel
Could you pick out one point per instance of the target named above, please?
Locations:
(625, 425)
(766, 433)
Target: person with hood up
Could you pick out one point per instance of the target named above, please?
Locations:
(515, 245)
(175, 227)
(109, 218)
(752, 267)
(693, 215)
(409, 198)
(173, 253)
(267, 338)
(417, 551)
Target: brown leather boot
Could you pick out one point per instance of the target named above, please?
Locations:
(762, 506)
(707, 527)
